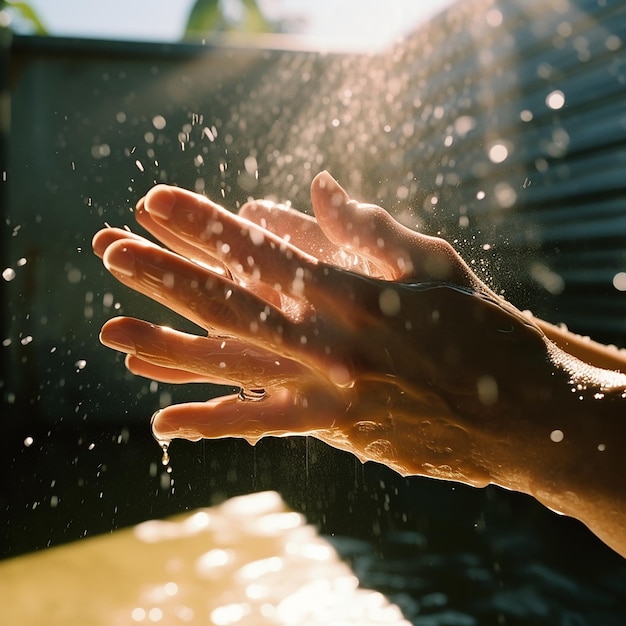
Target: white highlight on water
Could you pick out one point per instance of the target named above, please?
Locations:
(557, 436)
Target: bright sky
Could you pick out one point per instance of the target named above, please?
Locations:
(342, 23)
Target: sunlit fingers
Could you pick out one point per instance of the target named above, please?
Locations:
(201, 256)
(295, 227)
(177, 244)
(245, 247)
(205, 298)
(303, 231)
(139, 367)
(181, 357)
(105, 237)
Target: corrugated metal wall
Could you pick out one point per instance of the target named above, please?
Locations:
(500, 124)
(521, 128)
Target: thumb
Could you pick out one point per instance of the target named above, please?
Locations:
(364, 229)
(399, 252)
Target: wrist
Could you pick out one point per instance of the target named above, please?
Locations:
(552, 423)
(565, 447)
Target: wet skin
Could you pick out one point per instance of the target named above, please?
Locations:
(373, 338)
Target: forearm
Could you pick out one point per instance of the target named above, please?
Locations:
(567, 447)
(584, 478)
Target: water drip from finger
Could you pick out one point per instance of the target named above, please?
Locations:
(164, 443)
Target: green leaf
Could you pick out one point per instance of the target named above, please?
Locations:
(28, 14)
(254, 20)
(205, 17)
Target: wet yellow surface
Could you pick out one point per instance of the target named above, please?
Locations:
(247, 561)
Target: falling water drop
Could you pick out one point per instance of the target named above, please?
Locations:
(162, 441)
(165, 458)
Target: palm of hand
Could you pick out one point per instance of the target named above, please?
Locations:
(346, 321)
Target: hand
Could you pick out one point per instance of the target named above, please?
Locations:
(374, 338)
(359, 331)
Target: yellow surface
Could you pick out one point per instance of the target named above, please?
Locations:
(248, 561)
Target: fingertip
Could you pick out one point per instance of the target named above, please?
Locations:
(325, 186)
(117, 339)
(253, 210)
(328, 198)
(321, 179)
(120, 258)
(104, 238)
(248, 208)
(159, 201)
(174, 423)
(100, 241)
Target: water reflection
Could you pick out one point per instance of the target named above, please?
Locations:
(249, 561)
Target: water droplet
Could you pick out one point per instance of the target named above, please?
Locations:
(555, 99)
(159, 122)
(166, 481)
(487, 388)
(162, 441)
(619, 281)
(494, 18)
(389, 302)
(526, 115)
(251, 395)
(165, 458)
(74, 276)
(557, 436)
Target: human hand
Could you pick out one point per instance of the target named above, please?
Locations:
(361, 332)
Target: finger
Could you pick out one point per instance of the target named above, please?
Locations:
(219, 360)
(207, 299)
(142, 368)
(279, 413)
(400, 253)
(176, 243)
(199, 255)
(243, 246)
(105, 237)
(302, 231)
(295, 227)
